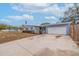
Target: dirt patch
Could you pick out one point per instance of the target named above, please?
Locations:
(10, 36)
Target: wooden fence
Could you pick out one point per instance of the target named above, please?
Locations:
(77, 30)
(74, 32)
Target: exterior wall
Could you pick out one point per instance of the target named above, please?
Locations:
(29, 28)
(36, 30)
(57, 30)
(33, 29)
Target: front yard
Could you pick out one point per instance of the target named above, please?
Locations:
(10, 36)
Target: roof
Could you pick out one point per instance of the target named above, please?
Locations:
(31, 26)
(57, 24)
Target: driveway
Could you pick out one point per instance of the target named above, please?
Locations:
(42, 45)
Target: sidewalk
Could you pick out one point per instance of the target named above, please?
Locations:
(39, 45)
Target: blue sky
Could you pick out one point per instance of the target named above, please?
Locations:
(33, 13)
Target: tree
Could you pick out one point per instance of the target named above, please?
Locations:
(44, 24)
(72, 14)
(5, 26)
(72, 11)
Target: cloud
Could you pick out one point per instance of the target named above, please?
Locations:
(4, 20)
(55, 10)
(67, 5)
(46, 8)
(50, 17)
(28, 17)
(53, 19)
(23, 17)
(29, 7)
(9, 19)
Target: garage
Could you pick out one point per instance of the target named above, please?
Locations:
(57, 29)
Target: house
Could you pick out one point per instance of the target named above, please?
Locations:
(31, 28)
(60, 28)
(28, 28)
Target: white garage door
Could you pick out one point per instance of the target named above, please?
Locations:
(56, 30)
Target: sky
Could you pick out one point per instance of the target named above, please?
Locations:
(34, 13)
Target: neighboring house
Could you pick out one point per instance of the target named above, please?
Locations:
(31, 28)
(61, 28)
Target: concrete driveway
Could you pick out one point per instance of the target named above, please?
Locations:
(42, 45)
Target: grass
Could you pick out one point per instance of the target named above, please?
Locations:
(10, 36)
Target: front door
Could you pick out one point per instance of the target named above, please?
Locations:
(42, 30)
